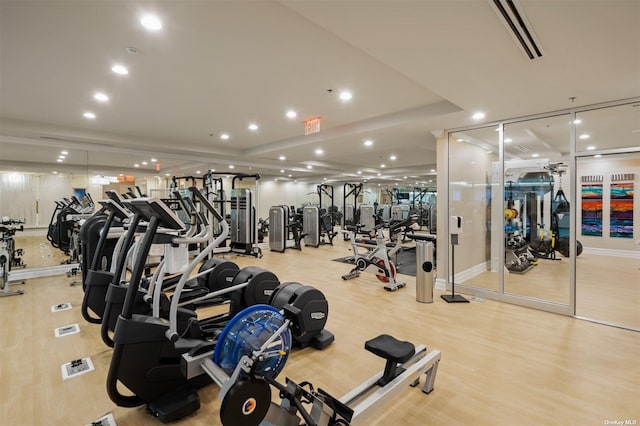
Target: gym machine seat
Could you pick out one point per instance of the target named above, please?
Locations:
(394, 351)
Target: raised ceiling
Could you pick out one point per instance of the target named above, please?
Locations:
(414, 68)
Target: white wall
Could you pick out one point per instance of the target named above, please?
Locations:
(31, 196)
(274, 193)
(470, 171)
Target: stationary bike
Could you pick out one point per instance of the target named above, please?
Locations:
(9, 256)
(376, 259)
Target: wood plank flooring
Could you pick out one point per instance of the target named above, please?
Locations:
(501, 364)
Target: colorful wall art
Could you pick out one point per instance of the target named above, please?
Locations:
(592, 210)
(621, 225)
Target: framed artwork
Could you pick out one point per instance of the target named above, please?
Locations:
(592, 210)
(621, 220)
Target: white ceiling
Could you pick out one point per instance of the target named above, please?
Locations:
(414, 68)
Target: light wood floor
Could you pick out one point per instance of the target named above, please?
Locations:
(38, 252)
(607, 287)
(501, 364)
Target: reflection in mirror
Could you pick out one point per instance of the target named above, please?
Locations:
(473, 160)
(36, 192)
(537, 203)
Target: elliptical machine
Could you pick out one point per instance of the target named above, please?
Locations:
(159, 366)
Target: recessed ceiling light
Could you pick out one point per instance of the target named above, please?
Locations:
(136, 165)
(62, 157)
(383, 165)
(167, 174)
(289, 175)
(153, 160)
(393, 158)
(584, 136)
(151, 22)
(404, 177)
(231, 166)
(309, 167)
(253, 127)
(591, 148)
(224, 136)
(598, 155)
(120, 69)
(535, 155)
(379, 174)
(378, 184)
(319, 151)
(478, 115)
(54, 172)
(345, 96)
(359, 172)
(291, 114)
(577, 121)
(282, 158)
(489, 152)
(281, 171)
(324, 178)
(459, 140)
(89, 115)
(508, 140)
(432, 170)
(64, 152)
(99, 96)
(368, 142)
(59, 160)
(144, 163)
(198, 172)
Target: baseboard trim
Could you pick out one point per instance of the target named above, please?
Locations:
(631, 254)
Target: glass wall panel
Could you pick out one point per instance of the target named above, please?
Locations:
(473, 158)
(537, 204)
(608, 271)
(608, 128)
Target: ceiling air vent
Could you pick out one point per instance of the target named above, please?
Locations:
(511, 15)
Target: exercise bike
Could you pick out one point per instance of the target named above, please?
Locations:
(252, 351)
(9, 256)
(376, 259)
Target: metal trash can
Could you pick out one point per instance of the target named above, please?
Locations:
(424, 272)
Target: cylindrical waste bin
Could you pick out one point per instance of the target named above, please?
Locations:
(424, 271)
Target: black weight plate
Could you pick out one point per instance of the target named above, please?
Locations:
(246, 403)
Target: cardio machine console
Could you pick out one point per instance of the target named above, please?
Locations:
(152, 207)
